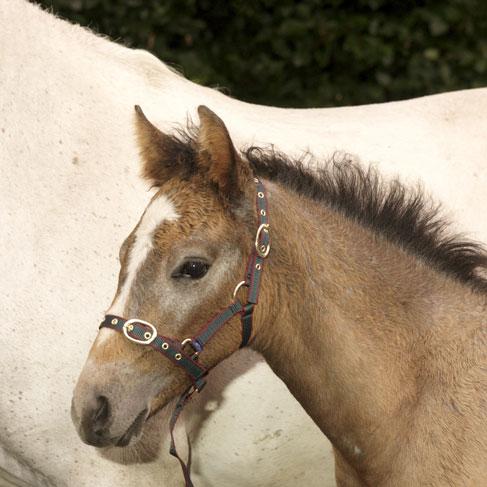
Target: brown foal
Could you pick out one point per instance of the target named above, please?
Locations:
(372, 316)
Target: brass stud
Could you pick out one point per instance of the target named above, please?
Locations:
(262, 212)
(114, 321)
(258, 267)
(147, 335)
(130, 327)
(165, 346)
(263, 248)
(260, 194)
(178, 356)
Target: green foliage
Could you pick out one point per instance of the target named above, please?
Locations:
(304, 53)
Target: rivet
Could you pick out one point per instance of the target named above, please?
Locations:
(178, 356)
(262, 212)
(258, 267)
(260, 194)
(114, 321)
(263, 248)
(130, 327)
(165, 346)
(147, 335)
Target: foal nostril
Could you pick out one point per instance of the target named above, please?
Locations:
(101, 413)
(94, 425)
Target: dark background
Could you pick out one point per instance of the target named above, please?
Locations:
(304, 53)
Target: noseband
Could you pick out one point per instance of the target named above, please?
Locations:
(186, 353)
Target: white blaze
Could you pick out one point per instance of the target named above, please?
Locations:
(159, 210)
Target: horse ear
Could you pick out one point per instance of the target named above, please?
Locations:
(159, 151)
(218, 158)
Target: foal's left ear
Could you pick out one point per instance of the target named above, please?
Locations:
(218, 158)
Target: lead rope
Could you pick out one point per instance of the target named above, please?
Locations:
(144, 333)
(185, 467)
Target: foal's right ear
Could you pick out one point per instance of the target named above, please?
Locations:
(161, 154)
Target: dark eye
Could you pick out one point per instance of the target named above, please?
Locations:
(194, 269)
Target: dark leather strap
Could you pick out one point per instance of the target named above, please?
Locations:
(214, 325)
(247, 317)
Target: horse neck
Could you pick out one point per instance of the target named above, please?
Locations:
(361, 328)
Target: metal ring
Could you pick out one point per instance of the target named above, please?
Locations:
(237, 288)
(128, 326)
(165, 346)
(178, 356)
(258, 267)
(260, 194)
(266, 248)
(262, 212)
(114, 321)
(190, 341)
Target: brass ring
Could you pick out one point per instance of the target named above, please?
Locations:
(165, 346)
(178, 356)
(237, 288)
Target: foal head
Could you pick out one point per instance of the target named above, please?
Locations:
(179, 267)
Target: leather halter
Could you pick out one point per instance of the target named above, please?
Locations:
(144, 333)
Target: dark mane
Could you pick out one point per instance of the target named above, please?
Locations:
(403, 215)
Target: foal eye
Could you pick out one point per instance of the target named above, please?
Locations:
(194, 269)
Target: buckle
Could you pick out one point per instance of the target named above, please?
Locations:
(261, 249)
(149, 336)
(196, 387)
(195, 346)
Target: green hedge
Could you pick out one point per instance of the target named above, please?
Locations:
(304, 53)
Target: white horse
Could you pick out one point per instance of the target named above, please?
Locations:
(69, 192)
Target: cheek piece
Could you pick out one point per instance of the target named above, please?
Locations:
(186, 353)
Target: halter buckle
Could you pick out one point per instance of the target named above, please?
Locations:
(261, 249)
(194, 346)
(141, 341)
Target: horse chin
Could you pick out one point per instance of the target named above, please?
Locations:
(142, 445)
(134, 430)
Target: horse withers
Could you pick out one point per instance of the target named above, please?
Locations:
(373, 316)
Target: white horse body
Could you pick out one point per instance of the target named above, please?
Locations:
(69, 193)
